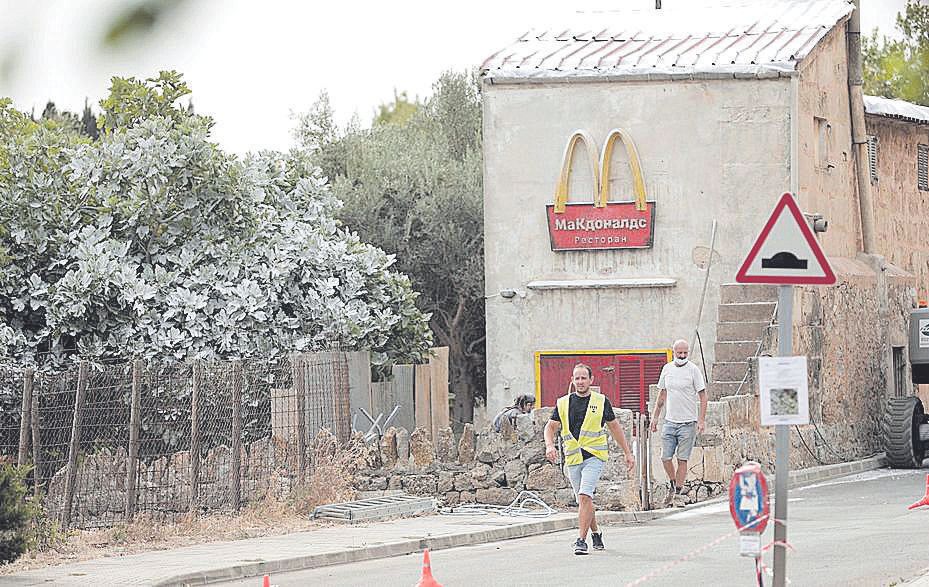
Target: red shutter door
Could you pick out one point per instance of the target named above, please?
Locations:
(636, 374)
(623, 378)
(556, 372)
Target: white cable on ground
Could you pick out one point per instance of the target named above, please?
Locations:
(517, 508)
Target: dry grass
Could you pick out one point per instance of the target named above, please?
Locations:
(144, 534)
(331, 481)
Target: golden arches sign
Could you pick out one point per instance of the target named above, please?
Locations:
(605, 224)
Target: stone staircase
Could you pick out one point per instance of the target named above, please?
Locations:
(745, 313)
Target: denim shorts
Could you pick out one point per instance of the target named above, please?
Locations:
(584, 476)
(679, 437)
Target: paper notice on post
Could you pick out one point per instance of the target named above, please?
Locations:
(784, 390)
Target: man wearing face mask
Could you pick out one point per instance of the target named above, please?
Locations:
(681, 384)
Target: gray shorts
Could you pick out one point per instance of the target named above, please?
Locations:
(584, 477)
(678, 437)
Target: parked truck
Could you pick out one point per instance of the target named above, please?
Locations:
(906, 424)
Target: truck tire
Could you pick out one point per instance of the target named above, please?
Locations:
(903, 447)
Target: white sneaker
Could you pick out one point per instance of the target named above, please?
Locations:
(679, 500)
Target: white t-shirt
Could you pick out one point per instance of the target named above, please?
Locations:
(683, 385)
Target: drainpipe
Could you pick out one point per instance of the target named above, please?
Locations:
(859, 131)
(865, 202)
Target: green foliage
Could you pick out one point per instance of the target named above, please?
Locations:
(400, 111)
(85, 124)
(414, 188)
(132, 101)
(15, 513)
(900, 68)
(151, 241)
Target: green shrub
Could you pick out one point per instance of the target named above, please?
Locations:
(15, 513)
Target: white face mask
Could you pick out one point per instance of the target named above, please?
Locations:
(680, 362)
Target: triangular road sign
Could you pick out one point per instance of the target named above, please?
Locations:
(786, 252)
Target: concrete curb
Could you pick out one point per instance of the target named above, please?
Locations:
(524, 530)
(826, 472)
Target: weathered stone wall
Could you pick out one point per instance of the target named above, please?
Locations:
(900, 219)
(847, 331)
(164, 487)
(493, 468)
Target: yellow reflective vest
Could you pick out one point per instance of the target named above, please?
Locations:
(593, 437)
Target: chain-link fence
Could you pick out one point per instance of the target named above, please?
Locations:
(111, 440)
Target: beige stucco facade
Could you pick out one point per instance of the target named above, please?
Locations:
(714, 149)
(824, 158)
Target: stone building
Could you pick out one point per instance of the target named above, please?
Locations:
(720, 110)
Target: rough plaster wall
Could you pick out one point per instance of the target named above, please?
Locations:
(716, 149)
(843, 334)
(829, 188)
(841, 330)
(901, 211)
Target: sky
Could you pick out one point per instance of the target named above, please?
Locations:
(251, 65)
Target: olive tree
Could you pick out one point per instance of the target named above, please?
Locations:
(414, 188)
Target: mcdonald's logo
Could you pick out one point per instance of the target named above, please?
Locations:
(601, 224)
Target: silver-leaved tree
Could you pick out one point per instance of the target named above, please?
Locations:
(151, 241)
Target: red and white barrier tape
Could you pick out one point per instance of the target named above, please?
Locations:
(679, 561)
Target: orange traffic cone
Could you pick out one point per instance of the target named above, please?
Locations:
(924, 500)
(266, 582)
(427, 579)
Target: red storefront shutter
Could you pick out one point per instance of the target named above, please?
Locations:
(636, 374)
(623, 377)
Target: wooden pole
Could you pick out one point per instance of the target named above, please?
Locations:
(75, 443)
(422, 398)
(438, 395)
(36, 445)
(195, 438)
(298, 365)
(25, 416)
(236, 481)
(135, 424)
(343, 410)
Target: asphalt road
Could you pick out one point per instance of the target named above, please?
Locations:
(851, 531)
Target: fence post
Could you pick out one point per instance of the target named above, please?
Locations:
(422, 398)
(438, 394)
(135, 423)
(341, 399)
(75, 443)
(236, 481)
(298, 370)
(195, 438)
(25, 416)
(36, 444)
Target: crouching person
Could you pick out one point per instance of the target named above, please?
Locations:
(581, 416)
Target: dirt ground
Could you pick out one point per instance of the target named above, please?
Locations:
(145, 534)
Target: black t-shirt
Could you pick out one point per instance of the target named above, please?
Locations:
(577, 410)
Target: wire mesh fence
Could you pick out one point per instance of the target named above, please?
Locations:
(109, 441)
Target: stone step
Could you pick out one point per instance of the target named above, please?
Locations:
(720, 389)
(730, 352)
(741, 293)
(731, 371)
(747, 312)
(740, 331)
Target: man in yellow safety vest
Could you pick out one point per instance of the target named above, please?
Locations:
(581, 416)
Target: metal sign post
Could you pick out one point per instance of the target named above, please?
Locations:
(786, 253)
(785, 302)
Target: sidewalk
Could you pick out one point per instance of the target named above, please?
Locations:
(219, 561)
